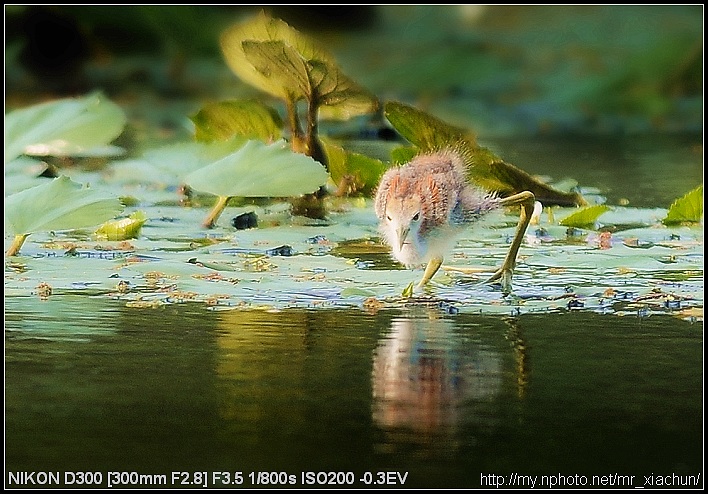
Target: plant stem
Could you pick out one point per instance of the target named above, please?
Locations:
(314, 149)
(16, 245)
(293, 121)
(215, 212)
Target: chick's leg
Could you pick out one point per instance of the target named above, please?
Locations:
(506, 271)
(430, 270)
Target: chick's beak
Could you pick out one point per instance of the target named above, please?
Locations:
(402, 234)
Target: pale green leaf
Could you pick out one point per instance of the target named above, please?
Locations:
(262, 27)
(260, 170)
(67, 127)
(60, 204)
(687, 209)
(245, 118)
(183, 158)
(586, 217)
(24, 172)
(339, 97)
(362, 172)
(425, 131)
(282, 66)
(122, 229)
(275, 58)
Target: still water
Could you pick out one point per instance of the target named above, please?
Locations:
(436, 400)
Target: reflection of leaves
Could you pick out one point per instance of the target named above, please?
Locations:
(687, 209)
(66, 127)
(431, 134)
(259, 170)
(247, 118)
(122, 229)
(586, 217)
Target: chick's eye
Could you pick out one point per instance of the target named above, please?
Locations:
(416, 217)
(388, 217)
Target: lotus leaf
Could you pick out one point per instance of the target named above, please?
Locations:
(66, 127)
(687, 209)
(586, 217)
(57, 205)
(260, 170)
(247, 118)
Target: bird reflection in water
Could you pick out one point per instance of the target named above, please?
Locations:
(428, 380)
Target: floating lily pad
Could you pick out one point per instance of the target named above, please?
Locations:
(180, 159)
(67, 127)
(260, 170)
(586, 217)
(122, 229)
(57, 205)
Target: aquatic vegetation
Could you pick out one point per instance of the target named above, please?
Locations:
(277, 59)
(60, 204)
(122, 229)
(243, 149)
(585, 218)
(429, 133)
(687, 209)
(257, 170)
(250, 119)
(67, 127)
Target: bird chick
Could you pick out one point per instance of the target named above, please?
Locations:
(423, 205)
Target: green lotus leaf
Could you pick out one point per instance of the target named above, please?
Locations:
(281, 65)
(260, 170)
(60, 204)
(425, 131)
(246, 118)
(361, 171)
(339, 97)
(430, 134)
(687, 209)
(403, 154)
(183, 158)
(67, 127)
(265, 28)
(122, 229)
(585, 218)
(24, 172)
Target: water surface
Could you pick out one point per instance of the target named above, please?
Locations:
(92, 385)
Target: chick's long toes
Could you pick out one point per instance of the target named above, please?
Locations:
(504, 277)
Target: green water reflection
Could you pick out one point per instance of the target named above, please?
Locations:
(445, 398)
